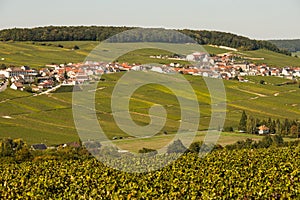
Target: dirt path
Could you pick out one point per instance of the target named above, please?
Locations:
(48, 91)
(257, 94)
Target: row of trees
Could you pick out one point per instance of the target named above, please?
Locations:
(100, 33)
(62, 33)
(266, 142)
(231, 40)
(285, 127)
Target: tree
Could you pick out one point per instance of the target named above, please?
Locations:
(243, 122)
(66, 75)
(228, 129)
(6, 147)
(278, 126)
(285, 127)
(176, 147)
(273, 127)
(2, 66)
(147, 150)
(23, 154)
(9, 147)
(76, 47)
(277, 140)
(294, 130)
(266, 142)
(251, 125)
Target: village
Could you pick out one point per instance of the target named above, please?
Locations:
(222, 66)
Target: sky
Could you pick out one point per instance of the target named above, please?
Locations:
(257, 19)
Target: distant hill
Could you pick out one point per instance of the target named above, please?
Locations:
(290, 45)
(100, 33)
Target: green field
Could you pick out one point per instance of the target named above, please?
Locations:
(271, 58)
(37, 54)
(49, 119)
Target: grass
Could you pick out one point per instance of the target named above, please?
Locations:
(38, 54)
(271, 58)
(49, 119)
(161, 141)
(296, 53)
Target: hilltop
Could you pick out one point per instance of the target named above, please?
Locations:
(100, 33)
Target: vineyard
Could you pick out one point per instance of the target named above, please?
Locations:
(271, 173)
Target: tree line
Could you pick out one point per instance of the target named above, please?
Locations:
(290, 45)
(100, 33)
(284, 127)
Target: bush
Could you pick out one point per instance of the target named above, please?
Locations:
(146, 150)
(228, 129)
(176, 147)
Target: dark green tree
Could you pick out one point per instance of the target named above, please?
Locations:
(176, 147)
(66, 75)
(76, 47)
(243, 122)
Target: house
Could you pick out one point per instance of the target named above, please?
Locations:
(38, 147)
(17, 86)
(46, 84)
(2, 77)
(263, 130)
(5, 73)
(72, 144)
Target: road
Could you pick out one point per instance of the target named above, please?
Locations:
(48, 91)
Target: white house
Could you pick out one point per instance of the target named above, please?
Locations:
(17, 86)
(5, 73)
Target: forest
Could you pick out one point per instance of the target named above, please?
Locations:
(100, 33)
(290, 45)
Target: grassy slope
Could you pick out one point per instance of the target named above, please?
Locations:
(49, 119)
(35, 55)
(297, 53)
(272, 58)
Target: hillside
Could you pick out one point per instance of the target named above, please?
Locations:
(37, 54)
(100, 33)
(270, 58)
(290, 45)
(49, 119)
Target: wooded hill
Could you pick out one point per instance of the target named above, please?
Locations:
(290, 45)
(100, 33)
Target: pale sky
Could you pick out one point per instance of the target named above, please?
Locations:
(258, 19)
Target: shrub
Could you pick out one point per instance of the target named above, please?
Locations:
(146, 150)
(176, 147)
(228, 129)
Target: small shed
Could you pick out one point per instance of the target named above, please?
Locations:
(38, 147)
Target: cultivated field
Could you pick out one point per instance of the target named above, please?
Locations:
(49, 119)
(38, 54)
